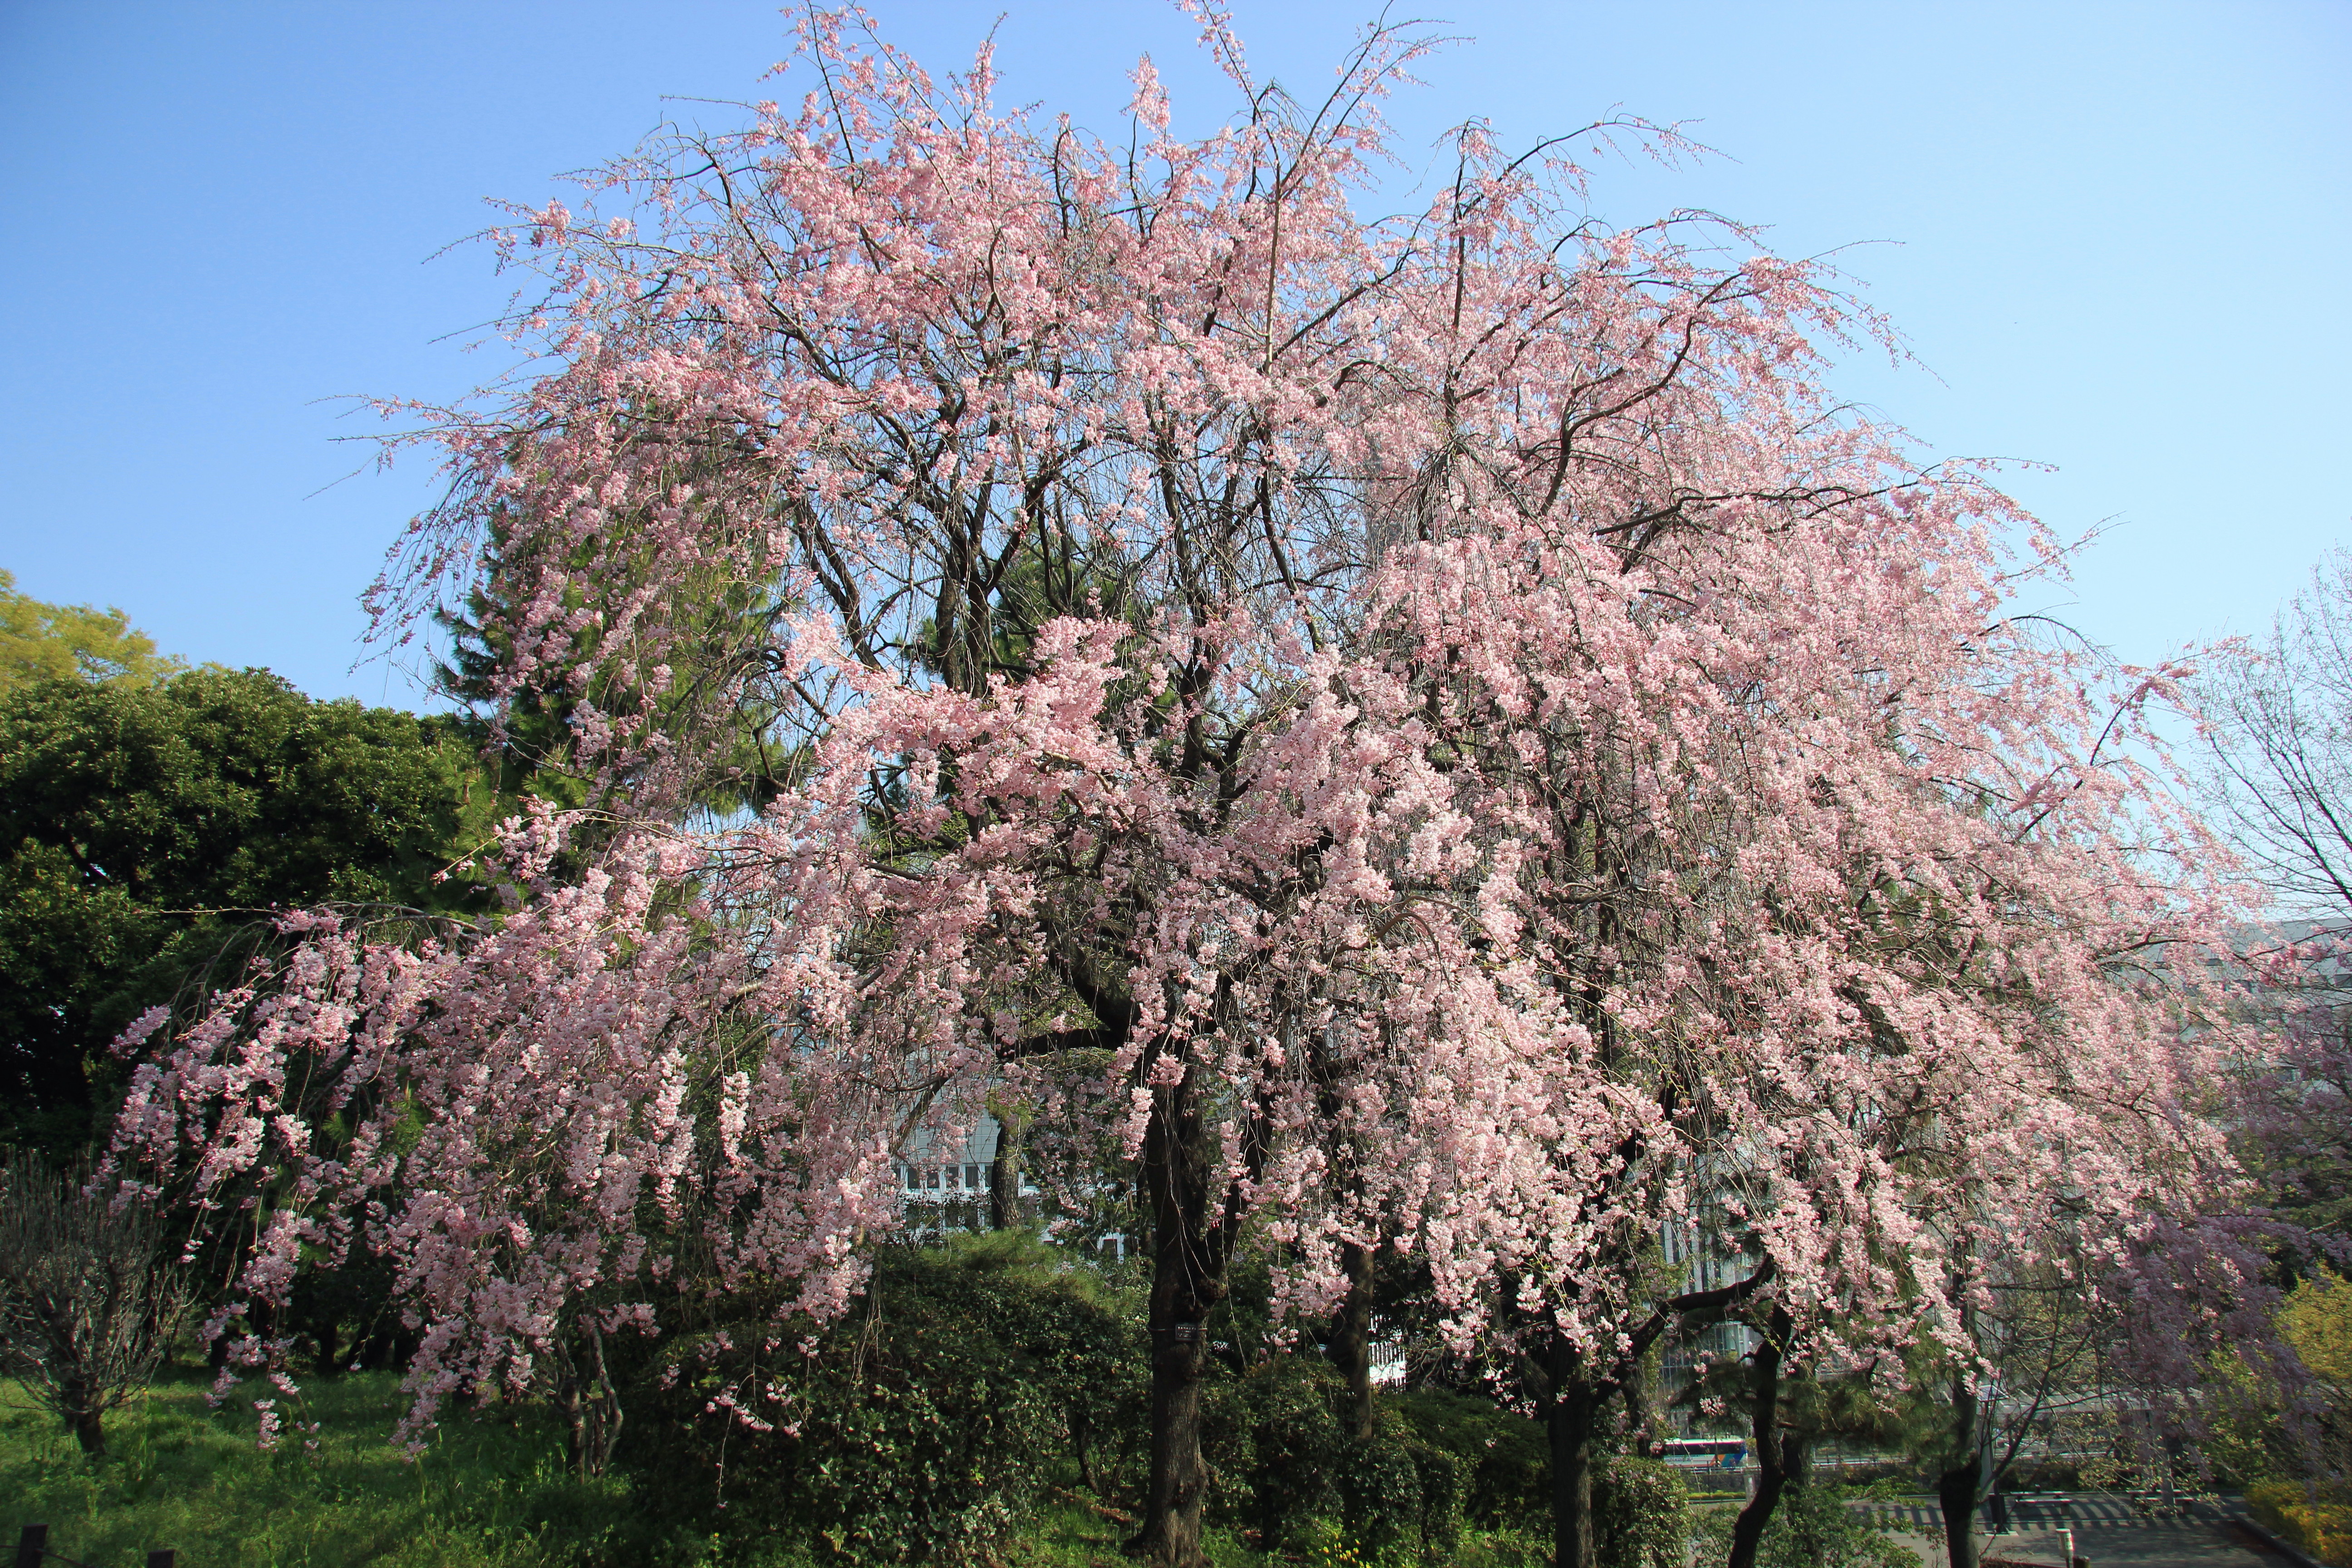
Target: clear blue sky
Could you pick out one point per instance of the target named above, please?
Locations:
(2115, 234)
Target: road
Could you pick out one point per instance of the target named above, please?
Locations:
(2110, 1532)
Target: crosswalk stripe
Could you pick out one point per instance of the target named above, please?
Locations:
(2080, 1513)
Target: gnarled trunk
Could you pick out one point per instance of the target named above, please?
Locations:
(589, 1403)
(1179, 1484)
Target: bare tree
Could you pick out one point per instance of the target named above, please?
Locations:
(2279, 782)
(89, 1298)
(2280, 732)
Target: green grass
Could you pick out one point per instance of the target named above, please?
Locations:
(489, 1493)
(1073, 1532)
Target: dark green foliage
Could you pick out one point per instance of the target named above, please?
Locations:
(1272, 1443)
(1283, 1460)
(1640, 1514)
(714, 690)
(347, 1318)
(1399, 1497)
(921, 1429)
(146, 830)
(1507, 1461)
(1640, 1507)
(1813, 1527)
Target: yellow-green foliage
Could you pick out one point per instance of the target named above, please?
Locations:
(71, 642)
(2318, 1321)
(2286, 1510)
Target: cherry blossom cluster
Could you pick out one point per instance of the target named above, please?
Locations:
(1486, 752)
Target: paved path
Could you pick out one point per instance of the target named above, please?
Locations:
(2110, 1532)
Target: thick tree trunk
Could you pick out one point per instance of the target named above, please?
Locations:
(1956, 1492)
(1956, 1489)
(1572, 1418)
(1351, 1337)
(1772, 1455)
(1004, 1178)
(1188, 1265)
(77, 1402)
(1179, 1483)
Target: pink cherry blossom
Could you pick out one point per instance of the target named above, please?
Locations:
(1486, 753)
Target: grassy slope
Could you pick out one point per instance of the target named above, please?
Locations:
(182, 1476)
(488, 1493)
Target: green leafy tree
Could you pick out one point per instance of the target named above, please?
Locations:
(71, 642)
(148, 830)
(706, 684)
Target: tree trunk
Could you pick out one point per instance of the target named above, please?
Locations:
(1179, 1483)
(1081, 1449)
(1351, 1337)
(1772, 1456)
(330, 1339)
(1796, 1461)
(1004, 1178)
(82, 1414)
(1188, 1266)
(1573, 1414)
(1640, 1413)
(1956, 1489)
(590, 1404)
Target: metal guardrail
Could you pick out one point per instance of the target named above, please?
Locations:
(33, 1550)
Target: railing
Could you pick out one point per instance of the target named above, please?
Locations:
(33, 1550)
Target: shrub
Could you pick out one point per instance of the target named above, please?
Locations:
(2289, 1510)
(1640, 1514)
(1813, 1527)
(921, 1429)
(1640, 1508)
(1287, 1467)
(90, 1296)
(1273, 1443)
(1506, 1462)
(1399, 1498)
